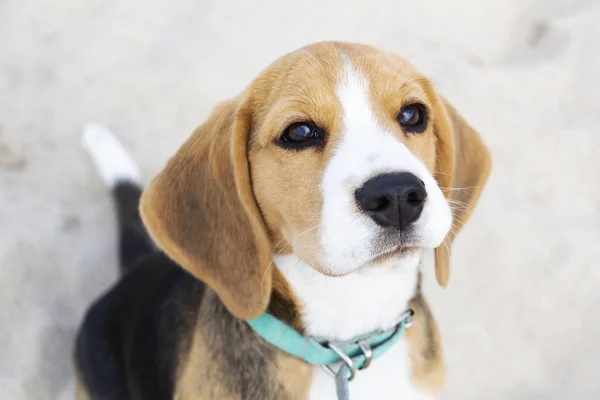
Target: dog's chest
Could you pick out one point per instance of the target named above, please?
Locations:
(388, 377)
(345, 307)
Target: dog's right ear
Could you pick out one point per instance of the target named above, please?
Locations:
(463, 165)
(200, 209)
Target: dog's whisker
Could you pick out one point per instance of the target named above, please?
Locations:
(295, 267)
(279, 252)
(456, 212)
(305, 232)
(456, 224)
(404, 63)
(458, 219)
(467, 188)
(452, 230)
(454, 201)
(446, 245)
(459, 208)
(273, 259)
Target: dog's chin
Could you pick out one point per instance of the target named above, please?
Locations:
(396, 257)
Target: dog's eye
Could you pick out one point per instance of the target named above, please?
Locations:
(413, 118)
(301, 134)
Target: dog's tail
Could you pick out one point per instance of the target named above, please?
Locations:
(120, 173)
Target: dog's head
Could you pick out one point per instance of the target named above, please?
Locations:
(340, 153)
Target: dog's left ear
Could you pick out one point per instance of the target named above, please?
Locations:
(200, 209)
(462, 167)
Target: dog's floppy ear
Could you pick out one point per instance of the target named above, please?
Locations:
(200, 209)
(462, 168)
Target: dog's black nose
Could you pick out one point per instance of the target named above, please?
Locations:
(392, 200)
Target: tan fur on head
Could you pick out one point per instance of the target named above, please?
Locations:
(462, 168)
(201, 211)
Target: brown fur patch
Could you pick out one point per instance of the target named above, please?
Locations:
(200, 209)
(194, 369)
(227, 360)
(425, 347)
(295, 375)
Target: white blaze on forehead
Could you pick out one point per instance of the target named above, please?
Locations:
(366, 147)
(365, 150)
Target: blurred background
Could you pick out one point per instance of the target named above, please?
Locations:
(520, 318)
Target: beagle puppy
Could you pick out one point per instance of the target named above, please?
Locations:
(312, 196)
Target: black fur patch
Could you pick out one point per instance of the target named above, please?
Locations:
(130, 341)
(134, 242)
(241, 358)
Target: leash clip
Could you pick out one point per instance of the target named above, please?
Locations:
(364, 347)
(347, 360)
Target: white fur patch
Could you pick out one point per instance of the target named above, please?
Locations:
(347, 306)
(111, 159)
(357, 303)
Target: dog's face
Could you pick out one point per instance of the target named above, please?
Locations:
(340, 153)
(343, 157)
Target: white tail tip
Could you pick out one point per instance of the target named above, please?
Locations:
(111, 159)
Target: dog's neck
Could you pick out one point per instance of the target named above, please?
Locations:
(344, 307)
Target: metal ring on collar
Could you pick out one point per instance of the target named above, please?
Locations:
(347, 360)
(368, 353)
(409, 321)
(407, 317)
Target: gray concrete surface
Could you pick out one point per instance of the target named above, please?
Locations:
(521, 317)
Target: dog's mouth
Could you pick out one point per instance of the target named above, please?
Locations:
(397, 252)
(380, 259)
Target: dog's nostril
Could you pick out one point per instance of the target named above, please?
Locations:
(416, 197)
(381, 204)
(375, 203)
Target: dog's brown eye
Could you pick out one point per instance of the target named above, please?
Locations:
(299, 132)
(300, 135)
(413, 118)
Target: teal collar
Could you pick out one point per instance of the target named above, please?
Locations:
(356, 353)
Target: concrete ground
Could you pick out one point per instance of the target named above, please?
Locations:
(521, 316)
